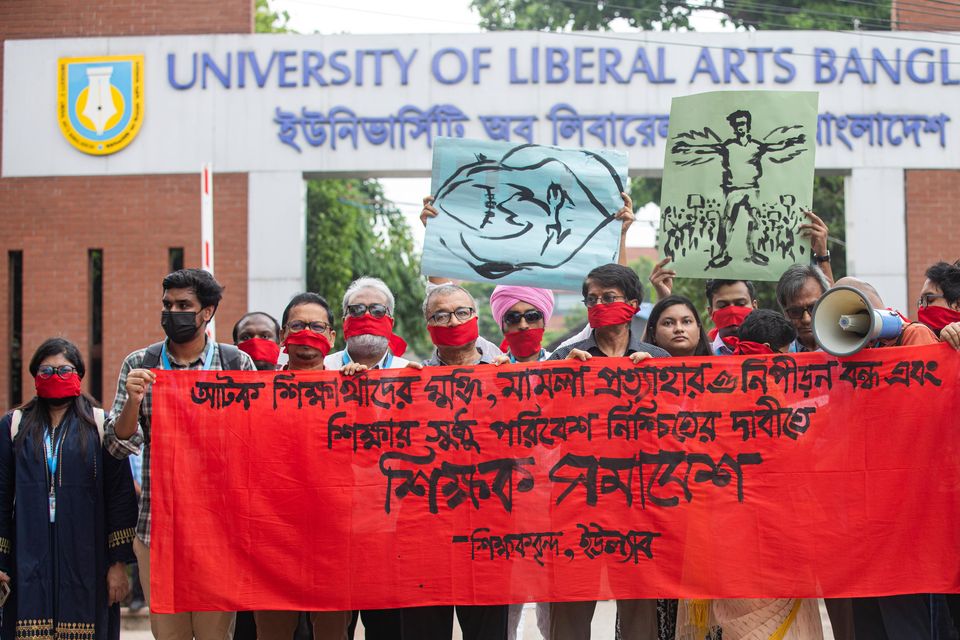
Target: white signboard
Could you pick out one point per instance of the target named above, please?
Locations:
(372, 105)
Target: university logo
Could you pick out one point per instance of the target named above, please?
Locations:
(100, 102)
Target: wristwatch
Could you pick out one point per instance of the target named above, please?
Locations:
(821, 259)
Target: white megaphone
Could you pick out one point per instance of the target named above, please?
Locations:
(845, 322)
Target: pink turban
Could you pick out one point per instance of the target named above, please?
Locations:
(505, 296)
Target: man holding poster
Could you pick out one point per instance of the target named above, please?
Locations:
(738, 173)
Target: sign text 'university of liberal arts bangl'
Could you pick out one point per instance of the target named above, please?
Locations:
(376, 103)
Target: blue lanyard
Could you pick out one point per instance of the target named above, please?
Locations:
(386, 361)
(207, 358)
(52, 450)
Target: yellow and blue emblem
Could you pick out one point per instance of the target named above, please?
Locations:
(100, 102)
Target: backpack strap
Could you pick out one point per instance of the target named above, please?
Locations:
(151, 357)
(99, 418)
(229, 357)
(15, 423)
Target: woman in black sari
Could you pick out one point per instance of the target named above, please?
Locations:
(67, 509)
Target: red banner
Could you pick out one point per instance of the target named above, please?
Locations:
(776, 476)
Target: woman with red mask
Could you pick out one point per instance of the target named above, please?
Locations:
(522, 313)
(67, 508)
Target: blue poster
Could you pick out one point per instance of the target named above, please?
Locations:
(524, 214)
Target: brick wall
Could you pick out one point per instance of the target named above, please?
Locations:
(932, 233)
(134, 219)
(925, 15)
(70, 18)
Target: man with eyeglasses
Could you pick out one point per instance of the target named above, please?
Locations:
(451, 315)
(307, 335)
(307, 332)
(453, 325)
(939, 303)
(612, 294)
(798, 290)
(368, 306)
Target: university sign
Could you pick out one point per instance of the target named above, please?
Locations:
(375, 104)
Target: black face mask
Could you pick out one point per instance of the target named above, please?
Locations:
(180, 326)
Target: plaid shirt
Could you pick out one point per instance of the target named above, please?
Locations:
(140, 440)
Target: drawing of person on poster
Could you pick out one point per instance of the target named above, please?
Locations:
(732, 205)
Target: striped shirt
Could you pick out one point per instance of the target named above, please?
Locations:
(141, 439)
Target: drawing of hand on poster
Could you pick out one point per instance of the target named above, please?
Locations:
(523, 214)
(737, 177)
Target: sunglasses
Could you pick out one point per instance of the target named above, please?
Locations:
(530, 315)
(357, 310)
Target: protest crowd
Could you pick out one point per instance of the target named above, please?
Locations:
(53, 472)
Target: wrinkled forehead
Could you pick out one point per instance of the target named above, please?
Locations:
(806, 295)
(448, 302)
(367, 295)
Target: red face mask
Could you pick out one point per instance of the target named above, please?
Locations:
(261, 349)
(456, 336)
(747, 348)
(56, 387)
(938, 317)
(523, 343)
(309, 338)
(367, 325)
(607, 315)
(730, 316)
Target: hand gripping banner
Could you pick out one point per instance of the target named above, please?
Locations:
(798, 475)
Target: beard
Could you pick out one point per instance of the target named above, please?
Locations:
(367, 347)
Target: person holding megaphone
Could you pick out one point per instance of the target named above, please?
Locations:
(851, 316)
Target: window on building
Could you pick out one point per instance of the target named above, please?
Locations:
(95, 367)
(15, 271)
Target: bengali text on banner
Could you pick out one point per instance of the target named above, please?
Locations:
(794, 475)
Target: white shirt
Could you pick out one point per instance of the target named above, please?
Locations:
(335, 361)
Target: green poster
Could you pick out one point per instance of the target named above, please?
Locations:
(737, 177)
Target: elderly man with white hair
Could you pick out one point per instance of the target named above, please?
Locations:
(368, 328)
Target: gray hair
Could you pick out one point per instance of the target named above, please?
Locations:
(444, 290)
(793, 280)
(367, 282)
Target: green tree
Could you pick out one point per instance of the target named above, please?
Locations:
(267, 21)
(353, 231)
(562, 15)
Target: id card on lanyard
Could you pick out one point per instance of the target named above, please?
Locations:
(207, 357)
(52, 450)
